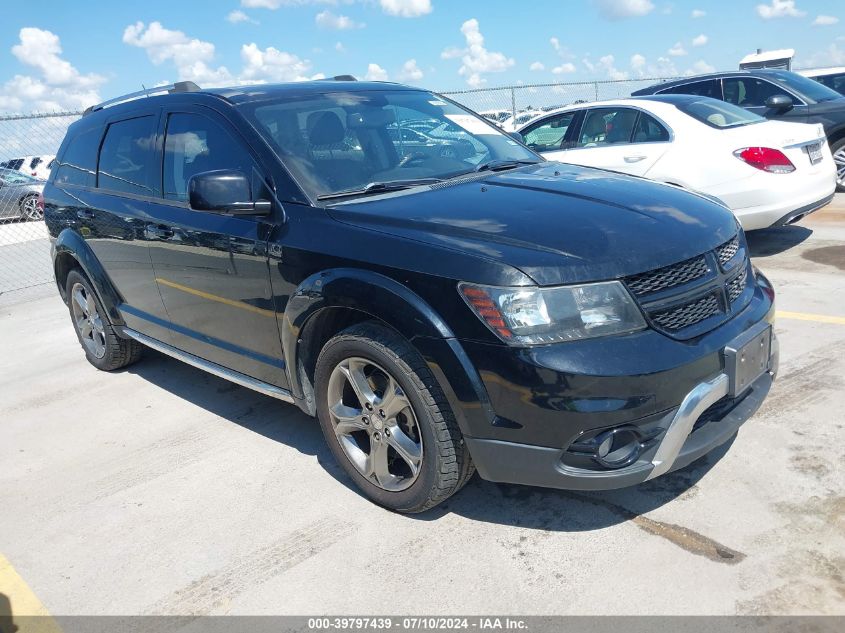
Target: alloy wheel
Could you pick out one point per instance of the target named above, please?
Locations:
(30, 208)
(375, 424)
(839, 159)
(88, 321)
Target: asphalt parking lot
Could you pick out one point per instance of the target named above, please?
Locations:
(164, 490)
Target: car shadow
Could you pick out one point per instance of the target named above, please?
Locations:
(505, 504)
(773, 241)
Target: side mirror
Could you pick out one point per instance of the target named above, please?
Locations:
(517, 136)
(779, 102)
(224, 191)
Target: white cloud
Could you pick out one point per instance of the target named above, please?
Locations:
(537, 66)
(555, 43)
(833, 55)
(375, 73)
(275, 4)
(406, 8)
(328, 20)
(700, 40)
(698, 13)
(476, 59)
(271, 64)
(637, 61)
(700, 67)
(779, 9)
(663, 67)
(677, 50)
(339, 47)
(410, 71)
(192, 57)
(605, 64)
(60, 85)
(621, 9)
(564, 68)
(825, 20)
(237, 16)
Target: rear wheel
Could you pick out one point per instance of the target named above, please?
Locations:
(103, 347)
(386, 420)
(838, 149)
(30, 209)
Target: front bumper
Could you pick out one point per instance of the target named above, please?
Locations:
(674, 394)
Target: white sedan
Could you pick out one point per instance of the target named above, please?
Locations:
(769, 173)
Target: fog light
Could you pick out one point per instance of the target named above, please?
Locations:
(618, 447)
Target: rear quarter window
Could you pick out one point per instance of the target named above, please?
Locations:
(78, 162)
(126, 156)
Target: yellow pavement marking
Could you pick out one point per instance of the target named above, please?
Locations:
(17, 601)
(803, 316)
(217, 298)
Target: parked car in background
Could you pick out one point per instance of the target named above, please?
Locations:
(410, 143)
(774, 94)
(36, 166)
(547, 324)
(19, 196)
(833, 78)
(497, 116)
(768, 172)
(513, 123)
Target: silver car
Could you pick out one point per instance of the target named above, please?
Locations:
(19, 196)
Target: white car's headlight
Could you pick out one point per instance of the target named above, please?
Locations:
(535, 316)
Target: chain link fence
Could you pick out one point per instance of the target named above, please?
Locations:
(512, 101)
(29, 142)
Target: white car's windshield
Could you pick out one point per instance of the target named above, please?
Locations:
(349, 141)
(718, 114)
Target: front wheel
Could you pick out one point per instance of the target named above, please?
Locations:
(386, 420)
(838, 150)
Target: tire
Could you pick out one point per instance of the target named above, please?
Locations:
(30, 211)
(103, 347)
(423, 425)
(838, 151)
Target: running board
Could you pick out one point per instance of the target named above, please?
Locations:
(212, 368)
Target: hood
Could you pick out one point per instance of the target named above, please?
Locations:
(557, 223)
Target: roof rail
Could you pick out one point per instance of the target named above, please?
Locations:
(179, 86)
(343, 78)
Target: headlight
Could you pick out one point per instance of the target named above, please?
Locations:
(534, 316)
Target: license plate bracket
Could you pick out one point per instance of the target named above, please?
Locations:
(747, 358)
(814, 151)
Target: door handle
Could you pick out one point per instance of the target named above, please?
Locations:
(634, 159)
(82, 214)
(158, 232)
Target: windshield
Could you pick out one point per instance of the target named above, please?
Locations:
(718, 114)
(15, 177)
(806, 87)
(344, 141)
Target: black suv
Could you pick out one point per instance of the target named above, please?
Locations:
(774, 94)
(542, 323)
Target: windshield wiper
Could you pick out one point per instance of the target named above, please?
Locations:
(503, 163)
(380, 187)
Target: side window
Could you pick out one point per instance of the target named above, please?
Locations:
(126, 155)
(607, 126)
(548, 136)
(708, 88)
(649, 130)
(195, 144)
(749, 92)
(78, 163)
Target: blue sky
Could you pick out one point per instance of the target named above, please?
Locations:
(58, 55)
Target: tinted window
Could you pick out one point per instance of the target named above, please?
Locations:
(806, 87)
(548, 135)
(718, 114)
(834, 82)
(707, 88)
(649, 130)
(15, 163)
(79, 160)
(195, 144)
(10, 177)
(126, 156)
(606, 126)
(750, 92)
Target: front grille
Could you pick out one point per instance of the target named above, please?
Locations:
(726, 251)
(667, 277)
(678, 297)
(737, 285)
(687, 314)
